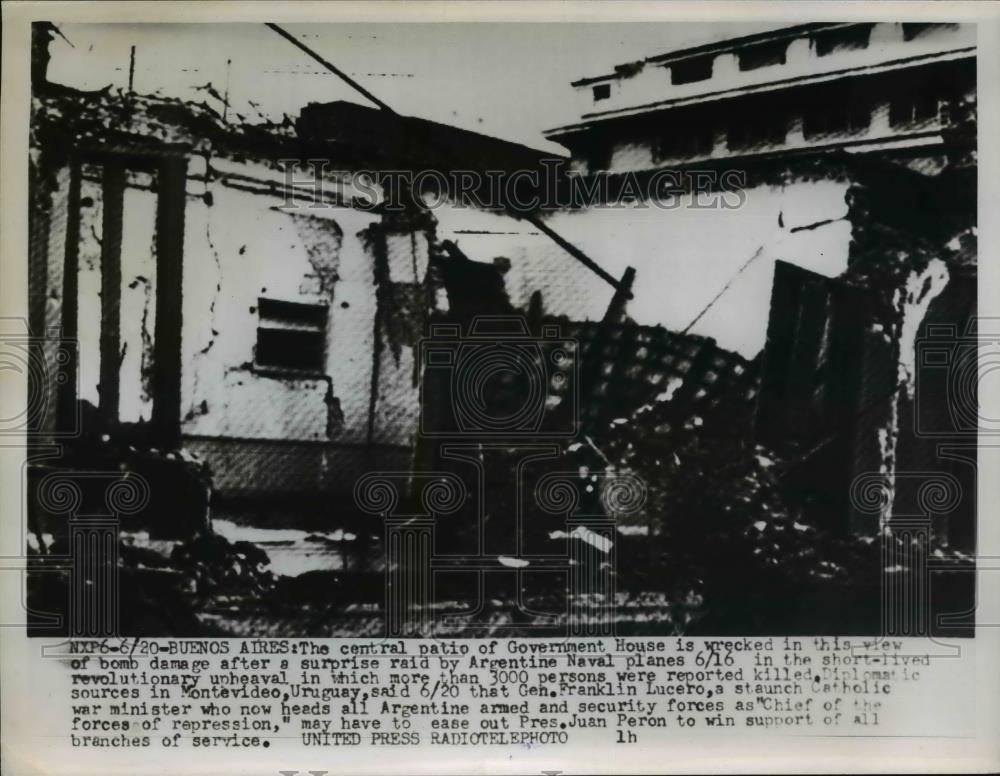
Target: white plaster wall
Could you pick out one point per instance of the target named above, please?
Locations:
(684, 257)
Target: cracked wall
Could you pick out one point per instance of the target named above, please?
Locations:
(238, 249)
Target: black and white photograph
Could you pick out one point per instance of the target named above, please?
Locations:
(478, 330)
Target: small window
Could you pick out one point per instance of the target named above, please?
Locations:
(690, 70)
(291, 335)
(850, 38)
(602, 92)
(763, 55)
(683, 140)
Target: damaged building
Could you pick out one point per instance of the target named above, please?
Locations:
(241, 329)
(858, 146)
